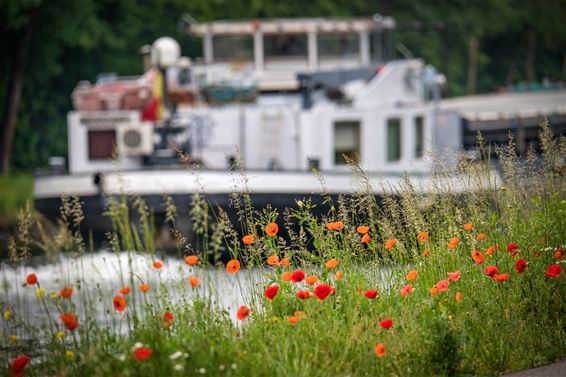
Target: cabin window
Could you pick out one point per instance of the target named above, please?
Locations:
(393, 139)
(419, 136)
(285, 48)
(101, 144)
(346, 141)
(233, 48)
(338, 46)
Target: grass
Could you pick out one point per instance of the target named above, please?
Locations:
(15, 192)
(453, 319)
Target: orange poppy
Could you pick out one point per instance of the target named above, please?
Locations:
(422, 236)
(433, 291)
(66, 292)
(284, 262)
(311, 280)
(125, 290)
(158, 264)
(406, 290)
(191, 260)
(194, 281)
(468, 226)
(70, 321)
(426, 252)
(119, 303)
(144, 287)
(248, 240)
(271, 229)
(331, 264)
(243, 312)
(453, 243)
(233, 266)
(293, 319)
(273, 260)
(31, 279)
(412, 275)
(458, 296)
(362, 229)
(366, 238)
(336, 225)
(390, 244)
(482, 236)
(339, 275)
(490, 250)
(478, 257)
(380, 350)
(286, 276)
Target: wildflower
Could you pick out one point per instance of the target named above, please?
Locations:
(304, 295)
(412, 275)
(300, 314)
(7, 315)
(66, 292)
(512, 248)
(366, 238)
(442, 285)
(40, 292)
(482, 236)
(248, 240)
(458, 296)
(70, 355)
(287, 276)
(70, 321)
(271, 229)
(61, 334)
(362, 229)
(490, 250)
(125, 290)
(157, 264)
(168, 319)
(311, 280)
(490, 270)
(18, 365)
(13, 338)
(53, 296)
(559, 253)
(273, 260)
(478, 257)
(293, 320)
(453, 243)
(380, 350)
(176, 355)
(331, 264)
(191, 260)
(386, 324)
(338, 275)
(284, 262)
(454, 276)
(31, 279)
(322, 291)
(422, 236)
(298, 276)
(468, 226)
(390, 244)
(194, 281)
(425, 252)
(144, 288)
(271, 292)
(521, 265)
(233, 266)
(243, 312)
(337, 226)
(501, 277)
(179, 367)
(553, 271)
(119, 303)
(371, 294)
(142, 353)
(406, 290)
(433, 291)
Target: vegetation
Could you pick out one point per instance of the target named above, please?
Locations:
(15, 193)
(422, 284)
(62, 42)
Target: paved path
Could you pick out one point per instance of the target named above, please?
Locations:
(557, 369)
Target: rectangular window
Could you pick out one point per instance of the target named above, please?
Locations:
(419, 136)
(233, 48)
(393, 139)
(101, 144)
(346, 141)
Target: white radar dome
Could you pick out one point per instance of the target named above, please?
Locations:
(165, 52)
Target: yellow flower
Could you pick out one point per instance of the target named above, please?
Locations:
(40, 292)
(70, 355)
(53, 296)
(14, 338)
(7, 315)
(61, 334)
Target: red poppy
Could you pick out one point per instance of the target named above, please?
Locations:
(501, 277)
(322, 291)
(119, 303)
(31, 279)
(298, 276)
(303, 295)
(243, 312)
(521, 265)
(558, 253)
(490, 270)
(271, 229)
(553, 271)
(271, 292)
(18, 365)
(70, 321)
(478, 257)
(371, 294)
(386, 323)
(407, 289)
(66, 292)
(442, 285)
(454, 276)
(142, 353)
(512, 249)
(168, 318)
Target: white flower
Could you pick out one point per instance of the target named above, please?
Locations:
(176, 355)
(178, 367)
(221, 367)
(202, 371)
(234, 366)
(122, 357)
(137, 345)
